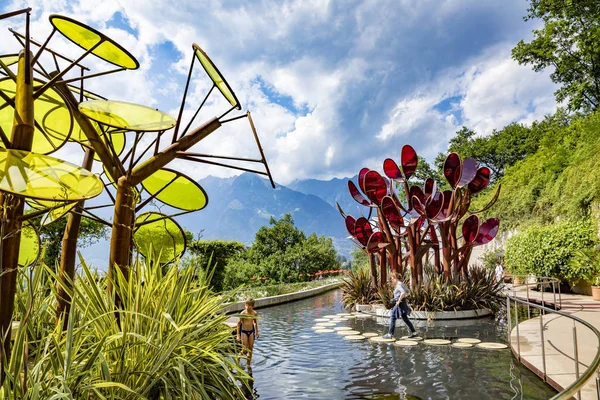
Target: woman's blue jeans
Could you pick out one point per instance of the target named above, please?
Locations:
(400, 311)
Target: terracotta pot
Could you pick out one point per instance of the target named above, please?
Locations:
(596, 292)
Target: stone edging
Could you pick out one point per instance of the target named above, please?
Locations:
(438, 315)
(280, 299)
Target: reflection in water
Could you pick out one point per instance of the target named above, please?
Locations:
(292, 361)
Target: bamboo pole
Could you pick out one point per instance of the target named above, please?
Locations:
(21, 139)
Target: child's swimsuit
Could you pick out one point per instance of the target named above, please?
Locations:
(248, 333)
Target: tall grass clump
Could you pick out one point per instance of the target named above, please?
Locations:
(165, 340)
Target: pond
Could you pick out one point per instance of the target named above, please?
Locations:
(291, 361)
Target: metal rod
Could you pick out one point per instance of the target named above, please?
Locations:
(227, 112)
(162, 218)
(576, 356)
(191, 154)
(5, 139)
(234, 118)
(554, 293)
(43, 46)
(560, 300)
(517, 328)
(134, 148)
(145, 151)
(62, 73)
(27, 48)
(102, 206)
(48, 50)
(528, 307)
(13, 13)
(187, 85)
(543, 304)
(81, 78)
(82, 73)
(222, 165)
(508, 319)
(543, 345)
(197, 111)
(260, 149)
(8, 71)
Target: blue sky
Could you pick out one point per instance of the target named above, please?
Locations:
(333, 85)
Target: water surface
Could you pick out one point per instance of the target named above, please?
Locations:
(291, 361)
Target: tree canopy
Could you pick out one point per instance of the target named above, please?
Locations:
(569, 42)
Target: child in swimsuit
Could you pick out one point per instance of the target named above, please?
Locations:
(247, 329)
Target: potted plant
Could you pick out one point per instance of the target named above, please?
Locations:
(585, 265)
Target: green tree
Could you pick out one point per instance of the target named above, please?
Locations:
(51, 236)
(569, 42)
(278, 237)
(216, 254)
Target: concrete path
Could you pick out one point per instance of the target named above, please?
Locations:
(559, 332)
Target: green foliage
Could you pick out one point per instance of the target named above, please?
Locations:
(489, 259)
(556, 182)
(170, 340)
(359, 260)
(504, 147)
(280, 253)
(568, 43)
(90, 232)
(480, 291)
(547, 250)
(584, 265)
(357, 288)
(218, 254)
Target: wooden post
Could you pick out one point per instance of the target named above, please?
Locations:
(122, 230)
(21, 139)
(69, 250)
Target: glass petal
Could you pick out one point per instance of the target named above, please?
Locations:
(409, 161)
(434, 205)
(362, 230)
(481, 180)
(391, 170)
(391, 213)
(452, 169)
(487, 231)
(127, 116)
(361, 179)
(356, 195)
(160, 239)
(375, 187)
(468, 172)
(176, 190)
(470, 229)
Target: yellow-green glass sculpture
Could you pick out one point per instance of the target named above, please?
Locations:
(216, 76)
(160, 238)
(127, 116)
(37, 176)
(29, 248)
(53, 119)
(176, 190)
(87, 37)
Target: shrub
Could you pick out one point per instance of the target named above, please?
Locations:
(169, 340)
(546, 250)
(357, 288)
(480, 291)
(490, 258)
(584, 265)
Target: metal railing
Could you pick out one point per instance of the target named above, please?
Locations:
(546, 282)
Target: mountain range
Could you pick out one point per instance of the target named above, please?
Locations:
(240, 205)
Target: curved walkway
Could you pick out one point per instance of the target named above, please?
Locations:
(559, 341)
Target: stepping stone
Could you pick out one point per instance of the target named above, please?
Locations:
(324, 324)
(492, 345)
(370, 334)
(328, 316)
(343, 328)
(343, 314)
(462, 345)
(322, 319)
(469, 340)
(354, 337)
(415, 339)
(381, 339)
(437, 342)
(348, 333)
(324, 331)
(406, 343)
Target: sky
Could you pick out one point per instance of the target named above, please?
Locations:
(333, 86)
